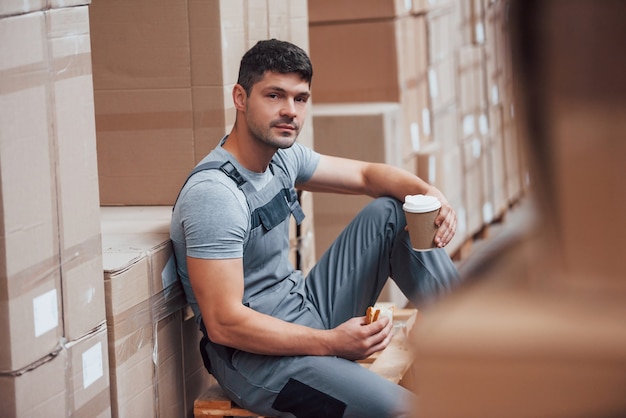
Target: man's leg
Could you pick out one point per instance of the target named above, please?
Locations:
(315, 386)
(351, 274)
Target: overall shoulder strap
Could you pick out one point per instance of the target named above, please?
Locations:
(225, 166)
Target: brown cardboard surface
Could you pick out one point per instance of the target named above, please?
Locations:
(77, 175)
(363, 131)
(143, 315)
(371, 61)
(347, 10)
(163, 93)
(442, 84)
(197, 378)
(30, 278)
(49, 182)
(442, 30)
(38, 391)
(88, 370)
(535, 353)
(472, 91)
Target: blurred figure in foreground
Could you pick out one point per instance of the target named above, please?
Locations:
(539, 329)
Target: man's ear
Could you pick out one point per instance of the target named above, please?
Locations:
(239, 97)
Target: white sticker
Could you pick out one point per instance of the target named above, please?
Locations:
(480, 33)
(487, 212)
(426, 121)
(432, 83)
(432, 169)
(483, 124)
(415, 136)
(468, 125)
(92, 365)
(45, 312)
(494, 94)
(408, 4)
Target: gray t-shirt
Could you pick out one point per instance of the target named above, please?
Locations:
(211, 218)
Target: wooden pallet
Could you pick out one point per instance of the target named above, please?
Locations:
(392, 363)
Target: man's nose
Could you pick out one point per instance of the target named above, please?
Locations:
(289, 108)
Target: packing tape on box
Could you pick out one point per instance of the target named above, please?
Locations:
(135, 328)
(49, 357)
(95, 406)
(39, 74)
(144, 121)
(37, 275)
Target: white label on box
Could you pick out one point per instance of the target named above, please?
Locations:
(426, 121)
(45, 312)
(476, 148)
(483, 124)
(415, 136)
(432, 172)
(169, 275)
(408, 4)
(432, 83)
(487, 212)
(92, 365)
(494, 94)
(468, 125)
(480, 33)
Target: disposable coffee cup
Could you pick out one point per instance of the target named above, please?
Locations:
(420, 211)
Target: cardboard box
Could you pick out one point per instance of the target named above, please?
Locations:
(163, 93)
(87, 389)
(72, 380)
(472, 22)
(20, 7)
(535, 353)
(197, 378)
(472, 91)
(442, 84)
(441, 167)
(324, 11)
(365, 131)
(144, 303)
(51, 280)
(76, 170)
(30, 282)
(36, 391)
(445, 129)
(344, 73)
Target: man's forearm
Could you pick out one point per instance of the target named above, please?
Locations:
(248, 330)
(387, 180)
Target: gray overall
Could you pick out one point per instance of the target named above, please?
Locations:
(346, 280)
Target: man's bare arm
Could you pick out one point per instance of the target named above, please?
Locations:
(218, 287)
(341, 175)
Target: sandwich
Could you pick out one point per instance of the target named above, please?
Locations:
(374, 312)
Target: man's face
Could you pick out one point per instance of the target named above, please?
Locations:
(276, 108)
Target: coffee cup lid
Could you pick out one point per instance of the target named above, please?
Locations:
(420, 203)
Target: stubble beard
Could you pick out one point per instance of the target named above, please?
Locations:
(265, 135)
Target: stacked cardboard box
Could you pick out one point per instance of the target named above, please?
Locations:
(53, 354)
(449, 70)
(155, 367)
(163, 75)
(374, 57)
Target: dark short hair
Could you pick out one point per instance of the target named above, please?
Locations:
(275, 56)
